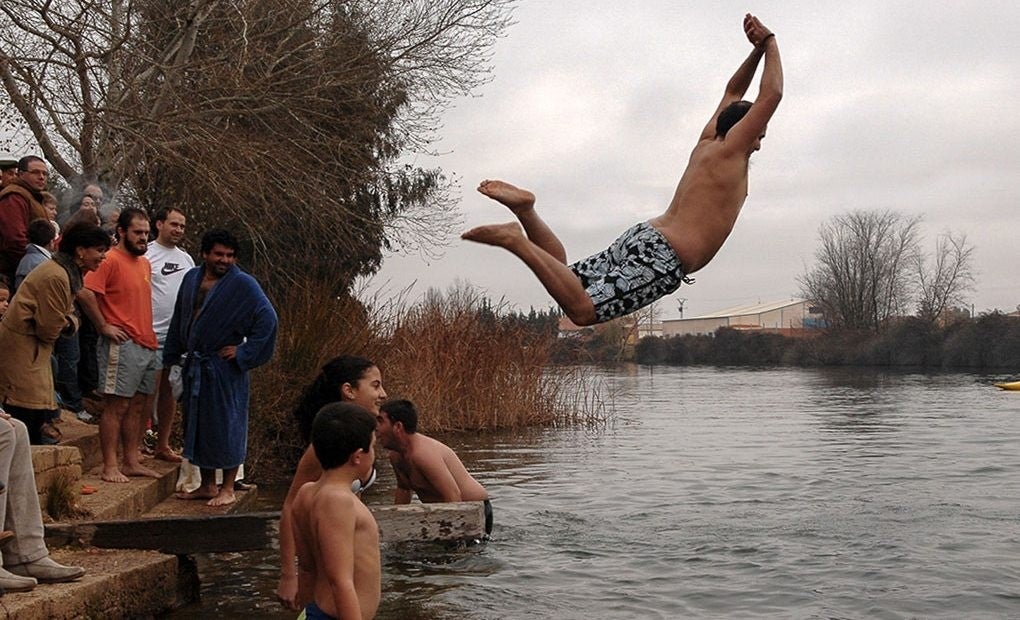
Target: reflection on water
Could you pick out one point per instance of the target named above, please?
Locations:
(724, 493)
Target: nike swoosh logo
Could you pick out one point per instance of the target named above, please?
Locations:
(171, 268)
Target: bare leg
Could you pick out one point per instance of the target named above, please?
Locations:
(166, 409)
(114, 410)
(522, 203)
(226, 494)
(556, 277)
(130, 434)
(207, 490)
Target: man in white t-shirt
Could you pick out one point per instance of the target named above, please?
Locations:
(169, 264)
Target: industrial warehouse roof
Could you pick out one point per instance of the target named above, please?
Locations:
(743, 310)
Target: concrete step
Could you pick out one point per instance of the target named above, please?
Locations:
(77, 451)
(81, 435)
(174, 507)
(55, 463)
(117, 584)
(127, 500)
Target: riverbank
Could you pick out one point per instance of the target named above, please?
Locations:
(990, 341)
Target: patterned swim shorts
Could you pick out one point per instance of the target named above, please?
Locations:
(637, 269)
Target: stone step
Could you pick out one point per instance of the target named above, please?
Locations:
(127, 500)
(173, 507)
(117, 584)
(55, 465)
(81, 435)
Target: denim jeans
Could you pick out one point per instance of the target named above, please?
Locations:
(65, 379)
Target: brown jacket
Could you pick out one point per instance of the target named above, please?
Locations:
(40, 311)
(19, 205)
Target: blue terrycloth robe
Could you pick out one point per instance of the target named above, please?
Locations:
(215, 400)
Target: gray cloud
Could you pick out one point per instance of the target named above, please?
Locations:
(596, 105)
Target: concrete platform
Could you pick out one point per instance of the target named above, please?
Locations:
(117, 584)
(171, 506)
(81, 435)
(127, 500)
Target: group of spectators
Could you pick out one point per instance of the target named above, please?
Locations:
(39, 278)
(87, 309)
(56, 277)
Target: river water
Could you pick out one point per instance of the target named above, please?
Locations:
(724, 493)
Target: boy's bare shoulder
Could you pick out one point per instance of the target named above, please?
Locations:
(318, 496)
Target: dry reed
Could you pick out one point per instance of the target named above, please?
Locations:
(468, 370)
(451, 354)
(62, 497)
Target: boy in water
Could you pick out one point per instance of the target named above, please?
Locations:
(650, 260)
(336, 536)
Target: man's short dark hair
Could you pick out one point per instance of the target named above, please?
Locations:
(24, 162)
(129, 215)
(83, 235)
(165, 212)
(340, 429)
(402, 411)
(730, 116)
(41, 232)
(221, 236)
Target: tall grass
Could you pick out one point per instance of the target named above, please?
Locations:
(451, 354)
(314, 327)
(468, 370)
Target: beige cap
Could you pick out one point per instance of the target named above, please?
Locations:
(7, 160)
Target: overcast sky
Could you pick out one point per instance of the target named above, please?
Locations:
(595, 106)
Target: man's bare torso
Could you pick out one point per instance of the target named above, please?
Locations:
(706, 203)
(409, 469)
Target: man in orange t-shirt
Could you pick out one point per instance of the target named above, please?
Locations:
(119, 302)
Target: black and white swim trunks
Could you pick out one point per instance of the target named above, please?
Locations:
(637, 269)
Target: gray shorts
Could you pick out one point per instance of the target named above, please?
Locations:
(159, 351)
(125, 369)
(639, 268)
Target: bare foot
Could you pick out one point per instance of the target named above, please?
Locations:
(224, 498)
(139, 471)
(113, 475)
(503, 235)
(514, 198)
(168, 455)
(199, 493)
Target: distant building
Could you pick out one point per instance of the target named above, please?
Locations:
(791, 317)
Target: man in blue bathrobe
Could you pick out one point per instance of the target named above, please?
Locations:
(223, 326)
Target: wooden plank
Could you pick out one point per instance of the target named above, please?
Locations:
(454, 521)
(183, 535)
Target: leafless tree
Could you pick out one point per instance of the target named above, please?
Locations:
(945, 278)
(288, 121)
(862, 274)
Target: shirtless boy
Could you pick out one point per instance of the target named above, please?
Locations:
(336, 536)
(423, 465)
(653, 258)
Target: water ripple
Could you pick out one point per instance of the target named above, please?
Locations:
(742, 493)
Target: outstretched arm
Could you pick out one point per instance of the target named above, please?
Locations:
(751, 128)
(757, 34)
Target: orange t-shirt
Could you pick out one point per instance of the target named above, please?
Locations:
(122, 285)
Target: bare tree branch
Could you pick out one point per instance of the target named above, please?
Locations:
(288, 119)
(946, 277)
